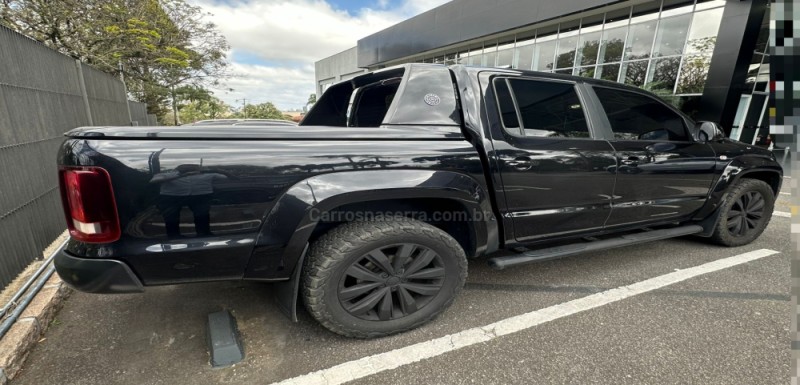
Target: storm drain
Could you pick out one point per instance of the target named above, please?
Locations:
(223, 339)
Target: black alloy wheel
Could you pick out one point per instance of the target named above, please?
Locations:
(373, 279)
(391, 282)
(746, 213)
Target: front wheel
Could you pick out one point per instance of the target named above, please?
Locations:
(371, 279)
(745, 214)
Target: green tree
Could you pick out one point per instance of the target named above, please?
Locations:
(199, 104)
(156, 45)
(665, 73)
(694, 71)
(588, 53)
(203, 109)
(260, 111)
(312, 99)
(611, 50)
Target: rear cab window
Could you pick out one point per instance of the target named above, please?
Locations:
(360, 102)
(371, 102)
(540, 108)
(410, 95)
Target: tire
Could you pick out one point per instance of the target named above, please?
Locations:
(356, 271)
(734, 229)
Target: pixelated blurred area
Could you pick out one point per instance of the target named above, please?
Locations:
(784, 111)
(784, 117)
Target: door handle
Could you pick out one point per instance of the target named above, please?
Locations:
(520, 163)
(630, 161)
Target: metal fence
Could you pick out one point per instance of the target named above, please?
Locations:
(42, 95)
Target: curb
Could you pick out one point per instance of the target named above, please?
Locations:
(28, 329)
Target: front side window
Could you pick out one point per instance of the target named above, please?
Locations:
(635, 116)
(545, 109)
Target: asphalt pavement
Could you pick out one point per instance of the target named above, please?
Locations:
(727, 326)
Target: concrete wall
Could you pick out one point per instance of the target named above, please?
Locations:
(333, 69)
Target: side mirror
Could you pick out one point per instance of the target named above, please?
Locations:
(709, 132)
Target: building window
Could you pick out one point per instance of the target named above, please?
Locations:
(663, 74)
(609, 72)
(524, 57)
(612, 45)
(587, 72)
(694, 71)
(588, 47)
(505, 57)
(544, 54)
(640, 40)
(662, 46)
(634, 73)
(703, 34)
(671, 36)
(475, 58)
(566, 51)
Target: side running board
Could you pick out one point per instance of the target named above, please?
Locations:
(500, 263)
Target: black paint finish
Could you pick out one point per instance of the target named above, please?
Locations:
(92, 275)
(261, 190)
(265, 200)
(660, 180)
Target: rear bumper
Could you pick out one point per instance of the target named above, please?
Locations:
(96, 275)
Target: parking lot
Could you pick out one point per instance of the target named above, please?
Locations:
(725, 326)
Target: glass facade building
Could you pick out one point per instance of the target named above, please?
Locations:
(664, 46)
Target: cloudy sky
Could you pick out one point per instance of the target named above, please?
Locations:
(274, 43)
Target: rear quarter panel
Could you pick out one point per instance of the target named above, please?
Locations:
(254, 177)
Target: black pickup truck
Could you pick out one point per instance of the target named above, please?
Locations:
(369, 209)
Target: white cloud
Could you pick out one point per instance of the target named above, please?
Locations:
(287, 87)
(281, 39)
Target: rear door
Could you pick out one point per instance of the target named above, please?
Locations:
(663, 173)
(556, 175)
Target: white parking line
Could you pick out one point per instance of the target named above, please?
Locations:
(393, 359)
(781, 214)
(784, 193)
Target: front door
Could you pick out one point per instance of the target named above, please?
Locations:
(556, 178)
(663, 173)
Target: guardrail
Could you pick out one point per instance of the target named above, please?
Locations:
(20, 300)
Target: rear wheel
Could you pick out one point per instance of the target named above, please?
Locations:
(371, 279)
(745, 214)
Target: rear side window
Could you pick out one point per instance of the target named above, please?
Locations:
(371, 103)
(545, 109)
(635, 116)
(506, 105)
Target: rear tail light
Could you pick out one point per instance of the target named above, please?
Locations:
(89, 204)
